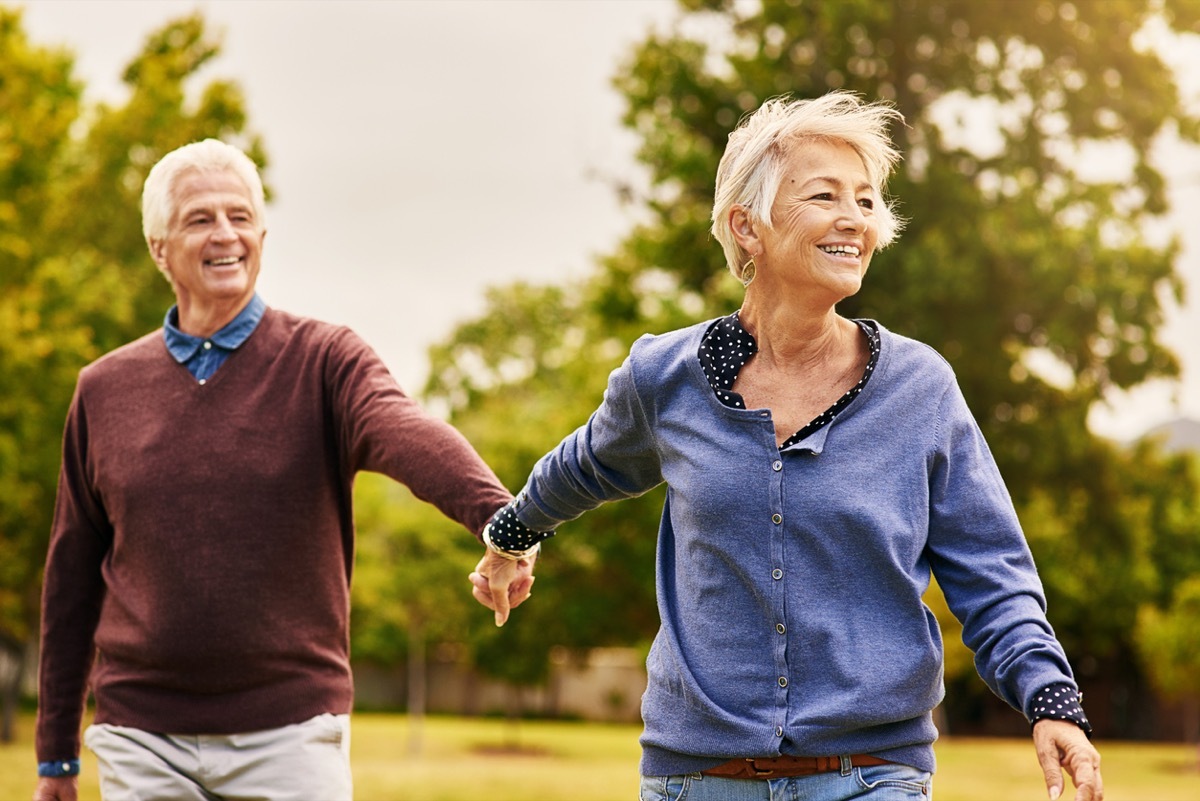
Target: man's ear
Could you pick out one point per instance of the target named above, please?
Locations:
(158, 252)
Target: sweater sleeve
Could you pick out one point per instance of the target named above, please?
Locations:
(72, 593)
(609, 458)
(386, 431)
(984, 566)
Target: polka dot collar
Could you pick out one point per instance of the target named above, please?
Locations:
(727, 347)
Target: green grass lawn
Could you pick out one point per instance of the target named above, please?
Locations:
(456, 759)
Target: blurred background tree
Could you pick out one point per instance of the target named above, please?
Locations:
(75, 277)
(1169, 644)
(1040, 277)
(1034, 260)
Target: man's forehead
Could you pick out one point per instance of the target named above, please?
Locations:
(200, 190)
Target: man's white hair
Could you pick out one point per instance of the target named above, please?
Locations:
(159, 200)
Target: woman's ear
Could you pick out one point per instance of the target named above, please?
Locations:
(744, 232)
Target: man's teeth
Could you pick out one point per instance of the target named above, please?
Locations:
(224, 261)
(850, 249)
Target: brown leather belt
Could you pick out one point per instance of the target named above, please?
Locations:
(781, 767)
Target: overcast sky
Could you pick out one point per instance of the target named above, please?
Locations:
(422, 150)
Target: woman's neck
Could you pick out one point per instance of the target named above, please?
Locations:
(790, 337)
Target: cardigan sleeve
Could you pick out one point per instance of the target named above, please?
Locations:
(611, 457)
(983, 564)
(386, 431)
(72, 593)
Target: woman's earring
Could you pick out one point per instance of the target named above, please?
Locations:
(748, 271)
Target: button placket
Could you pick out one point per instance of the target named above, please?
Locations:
(777, 536)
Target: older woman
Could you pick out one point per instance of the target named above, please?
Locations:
(819, 469)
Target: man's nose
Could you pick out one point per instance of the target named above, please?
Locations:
(224, 230)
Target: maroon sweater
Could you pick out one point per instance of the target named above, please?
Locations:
(200, 559)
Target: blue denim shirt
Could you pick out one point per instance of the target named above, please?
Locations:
(202, 356)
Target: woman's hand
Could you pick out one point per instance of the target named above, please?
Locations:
(1061, 744)
(502, 584)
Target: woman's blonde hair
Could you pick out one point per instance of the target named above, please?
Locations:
(752, 167)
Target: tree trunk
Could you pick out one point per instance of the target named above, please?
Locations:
(1191, 723)
(12, 675)
(416, 686)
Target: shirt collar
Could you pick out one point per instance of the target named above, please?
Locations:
(184, 346)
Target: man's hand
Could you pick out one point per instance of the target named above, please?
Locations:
(502, 584)
(1061, 744)
(65, 789)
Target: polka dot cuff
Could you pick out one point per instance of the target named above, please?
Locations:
(508, 533)
(1060, 702)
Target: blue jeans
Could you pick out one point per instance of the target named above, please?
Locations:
(874, 783)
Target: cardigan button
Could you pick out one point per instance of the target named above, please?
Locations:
(777, 574)
(777, 518)
(776, 465)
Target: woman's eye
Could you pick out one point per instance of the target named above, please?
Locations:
(866, 203)
(823, 196)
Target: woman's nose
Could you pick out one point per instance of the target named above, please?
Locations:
(851, 217)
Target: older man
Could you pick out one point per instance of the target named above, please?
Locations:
(199, 564)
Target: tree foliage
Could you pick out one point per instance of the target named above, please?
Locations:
(75, 277)
(1168, 642)
(1032, 260)
(410, 580)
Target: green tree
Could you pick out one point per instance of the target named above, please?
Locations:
(410, 584)
(75, 277)
(1031, 271)
(517, 380)
(1169, 645)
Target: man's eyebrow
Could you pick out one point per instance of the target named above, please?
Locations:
(208, 208)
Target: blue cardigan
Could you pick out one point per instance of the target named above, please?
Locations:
(790, 584)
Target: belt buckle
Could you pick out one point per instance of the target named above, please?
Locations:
(759, 772)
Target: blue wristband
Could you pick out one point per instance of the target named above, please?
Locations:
(60, 769)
